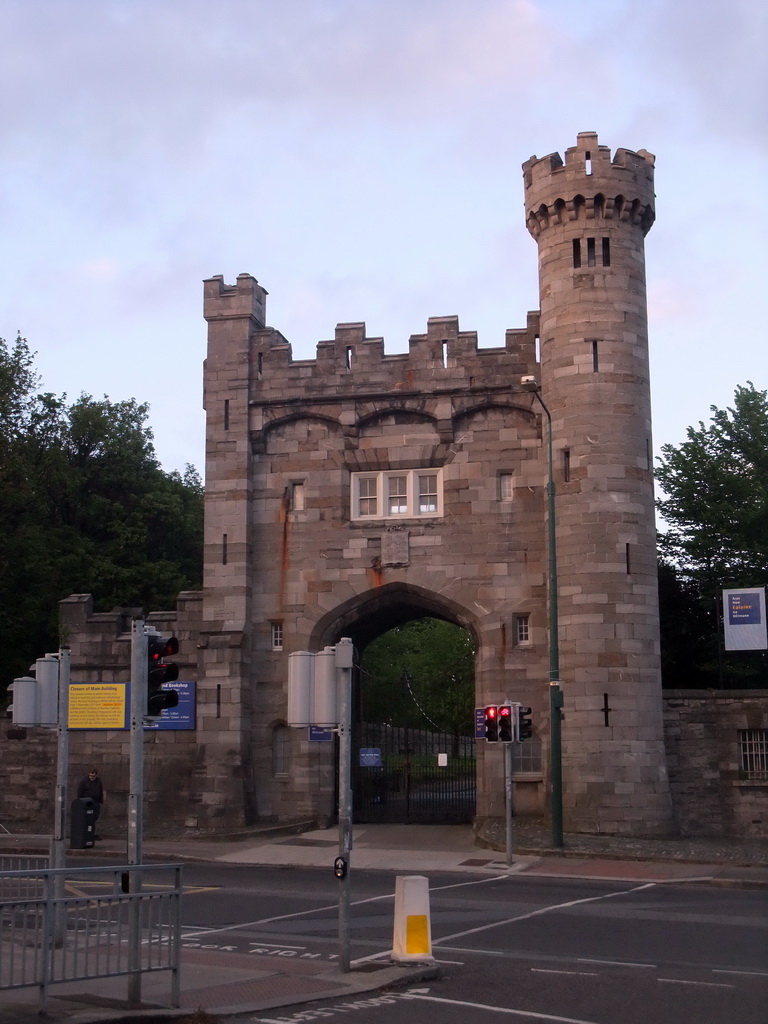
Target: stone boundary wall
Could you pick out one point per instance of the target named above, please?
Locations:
(175, 761)
(709, 795)
(701, 734)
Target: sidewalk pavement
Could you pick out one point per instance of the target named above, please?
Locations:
(228, 983)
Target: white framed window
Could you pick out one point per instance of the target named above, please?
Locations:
(428, 494)
(522, 629)
(397, 495)
(506, 486)
(277, 636)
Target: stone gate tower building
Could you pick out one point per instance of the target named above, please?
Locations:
(352, 492)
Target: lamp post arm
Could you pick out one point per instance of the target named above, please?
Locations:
(554, 647)
(555, 693)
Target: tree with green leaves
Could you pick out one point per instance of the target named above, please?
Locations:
(422, 675)
(84, 507)
(715, 504)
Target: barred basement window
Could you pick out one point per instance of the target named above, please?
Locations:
(753, 753)
(281, 749)
(526, 756)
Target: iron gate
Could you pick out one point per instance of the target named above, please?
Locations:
(412, 776)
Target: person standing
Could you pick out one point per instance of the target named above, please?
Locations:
(91, 786)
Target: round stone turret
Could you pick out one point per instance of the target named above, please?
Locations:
(589, 216)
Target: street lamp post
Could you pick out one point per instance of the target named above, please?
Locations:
(531, 385)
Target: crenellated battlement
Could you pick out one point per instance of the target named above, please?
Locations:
(225, 301)
(444, 357)
(588, 185)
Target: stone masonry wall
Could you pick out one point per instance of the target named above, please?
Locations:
(701, 733)
(711, 796)
(182, 784)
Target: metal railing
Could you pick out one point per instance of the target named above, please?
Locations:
(88, 923)
(23, 853)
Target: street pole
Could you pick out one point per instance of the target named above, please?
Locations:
(344, 661)
(555, 693)
(508, 804)
(58, 853)
(135, 802)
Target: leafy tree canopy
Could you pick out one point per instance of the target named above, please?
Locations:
(716, 486)
(421, 675)
(716, 506)
(84, 507)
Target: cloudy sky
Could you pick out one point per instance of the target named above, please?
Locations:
(362, 159)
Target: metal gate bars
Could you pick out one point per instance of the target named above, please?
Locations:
(402, 775)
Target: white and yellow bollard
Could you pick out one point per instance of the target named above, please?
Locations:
(413, 936)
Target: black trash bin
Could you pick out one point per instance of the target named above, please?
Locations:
(82, 824)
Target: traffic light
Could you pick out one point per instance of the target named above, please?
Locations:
(492, 723)
(158, 699)
(524, 724)
(506, 724)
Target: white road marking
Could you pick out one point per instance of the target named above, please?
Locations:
(497, 1009)
(731, 970)
(542, 910)
(704, 984)
(579, 974)
(612, 963)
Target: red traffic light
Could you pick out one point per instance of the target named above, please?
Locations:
(492, 723)
(163, 647)
(505, 723)
(158, 672)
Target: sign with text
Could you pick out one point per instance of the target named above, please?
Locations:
(370, 757)
(105, 705)
(183, 715)
(744, 619)
(98, 706)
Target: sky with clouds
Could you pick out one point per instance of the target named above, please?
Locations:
(362, 159)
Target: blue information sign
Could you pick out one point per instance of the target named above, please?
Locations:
(317, 734)
(183, 715)
(744, 620)
(370, 757)
(479, 723)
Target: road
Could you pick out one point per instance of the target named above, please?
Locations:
(592, 951)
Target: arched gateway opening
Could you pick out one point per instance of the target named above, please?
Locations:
(413, 706)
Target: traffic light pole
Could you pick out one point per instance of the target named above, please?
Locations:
(508, 803)
(344, 661)
(139, 683)
(58, 851)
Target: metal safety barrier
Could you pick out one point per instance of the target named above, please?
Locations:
(88, 923)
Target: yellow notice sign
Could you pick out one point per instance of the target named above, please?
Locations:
(98, 706)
